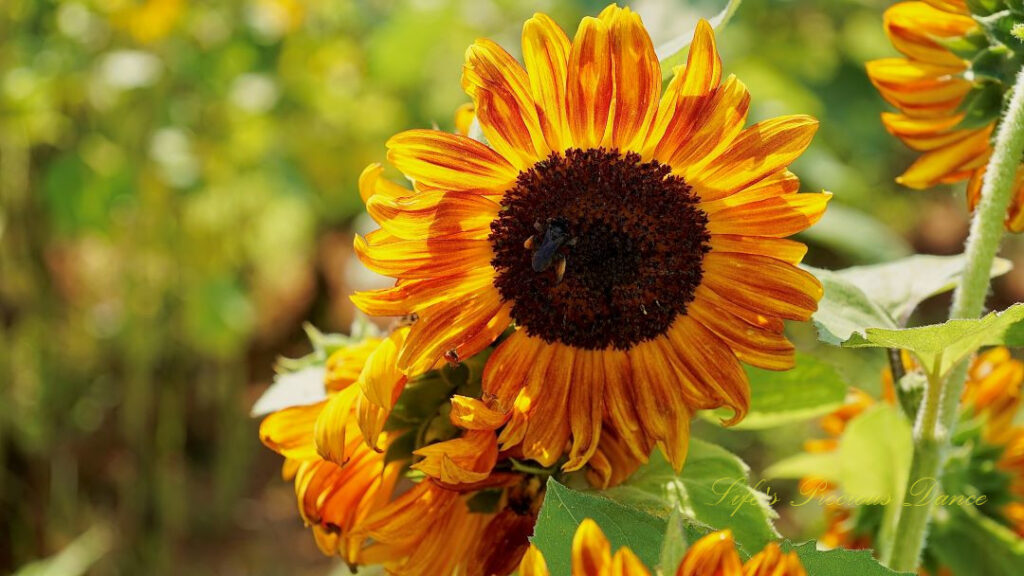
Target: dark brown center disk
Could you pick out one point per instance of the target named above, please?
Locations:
(631, 237)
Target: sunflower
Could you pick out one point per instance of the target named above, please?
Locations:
(992, 397)
(634, 240)
(446, 507)
(947, 110)
(712, 555)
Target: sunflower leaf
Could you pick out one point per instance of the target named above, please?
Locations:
(712, 489)
(939, 347)
(812, 388)
(674, 52)
(968, 542)
(884, 295)
(874, 455)
(563, 511)
(838, 562)
(845, 310)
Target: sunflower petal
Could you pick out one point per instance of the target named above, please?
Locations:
(590, 84)
(546, 55)
(450, 161)
(637, 81)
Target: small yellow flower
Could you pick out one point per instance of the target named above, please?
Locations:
(635, 241)
(712, 555)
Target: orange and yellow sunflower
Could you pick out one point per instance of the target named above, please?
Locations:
(634, 240)
(931, 87)
(712, 555)
(363, 506)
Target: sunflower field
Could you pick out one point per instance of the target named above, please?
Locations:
(492, 287)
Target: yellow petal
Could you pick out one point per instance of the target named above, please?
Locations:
(546, 55)
(590, 83)
(591, 553)
(450, 161)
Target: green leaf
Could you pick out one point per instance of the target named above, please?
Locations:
(874, 455)
(838, 562)
(899, 287)
(845, 310)
(810, 389)
(676, 541)
(941, 346)
(712, 489)
(674, 52)
(563, 511)
(884, 295)
(822, 464)
(969, 542)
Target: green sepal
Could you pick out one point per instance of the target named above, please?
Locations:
(967, 46)
(401, 447)
(984, 7)
(982, 105)
(999, 27)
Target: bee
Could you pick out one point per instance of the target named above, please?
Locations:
(547, 245)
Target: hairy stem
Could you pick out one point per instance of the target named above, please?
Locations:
(937, 416)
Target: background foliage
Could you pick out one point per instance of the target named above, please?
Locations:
(177, 195)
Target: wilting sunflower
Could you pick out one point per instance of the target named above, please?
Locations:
(635, 241)
(990, 404)
(948, 109)
(712, 555)
(446, 507)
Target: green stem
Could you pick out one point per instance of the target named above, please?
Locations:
(937, 417)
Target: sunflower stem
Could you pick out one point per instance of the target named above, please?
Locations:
(937, 417)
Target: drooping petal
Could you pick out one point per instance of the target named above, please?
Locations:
(586, 404)
(473, 414)
(547, 430)
(915, 27)
(331, 433)
(712, 363)
(449, 325)
(950, 163)
(289, 432)
(462, 460)
(762, 348)
(616, 458)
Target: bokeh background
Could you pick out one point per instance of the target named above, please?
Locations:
(178, 195)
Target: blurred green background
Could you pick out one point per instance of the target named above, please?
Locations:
(178, 194)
